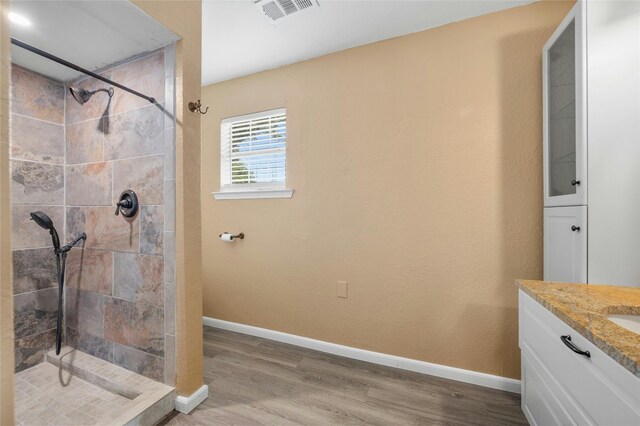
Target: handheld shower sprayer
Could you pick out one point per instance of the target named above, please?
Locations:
(45, 222)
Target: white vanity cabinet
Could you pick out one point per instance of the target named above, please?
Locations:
(591, 145)
(562, 387)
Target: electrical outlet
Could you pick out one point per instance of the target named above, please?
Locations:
(341, 289)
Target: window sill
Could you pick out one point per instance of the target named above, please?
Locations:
(252, 195)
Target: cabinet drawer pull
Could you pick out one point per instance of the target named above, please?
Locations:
(575, 182)
(575, 228)
(567, 341)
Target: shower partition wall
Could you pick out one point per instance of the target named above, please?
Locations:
(72, 161)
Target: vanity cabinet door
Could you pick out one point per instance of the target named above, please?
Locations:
(564, 112)
(565, 244)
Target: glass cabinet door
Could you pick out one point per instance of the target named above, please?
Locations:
(564, 137)
(562, 113)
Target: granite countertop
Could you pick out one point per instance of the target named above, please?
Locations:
(584, 307)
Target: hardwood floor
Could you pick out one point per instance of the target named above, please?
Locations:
(253, 381)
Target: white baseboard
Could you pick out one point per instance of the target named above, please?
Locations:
(453, 373)
(186, 404)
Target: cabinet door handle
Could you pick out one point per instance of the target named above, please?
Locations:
(567, 341)
(575, 228)
(575, 182)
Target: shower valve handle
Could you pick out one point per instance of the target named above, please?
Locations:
(125, 204)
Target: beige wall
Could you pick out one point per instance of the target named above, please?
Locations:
(6, 286)
(416, 164)
(184, 17)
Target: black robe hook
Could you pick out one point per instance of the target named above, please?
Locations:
(197, 106)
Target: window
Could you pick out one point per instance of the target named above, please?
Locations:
(253, 156)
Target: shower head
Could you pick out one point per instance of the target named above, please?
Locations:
(46, 223)
(83, 95)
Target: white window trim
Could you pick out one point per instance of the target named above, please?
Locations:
(257, 190)
(253, 194)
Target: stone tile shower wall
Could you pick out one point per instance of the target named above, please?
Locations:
(120, 289)
(37, 172)
(120, 296)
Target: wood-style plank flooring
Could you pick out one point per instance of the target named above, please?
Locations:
(253, 381)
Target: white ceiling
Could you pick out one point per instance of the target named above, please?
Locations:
(237, 39)
(91, 34)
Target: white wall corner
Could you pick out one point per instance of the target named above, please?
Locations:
(186, 404)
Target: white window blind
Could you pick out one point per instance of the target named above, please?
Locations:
(253, 151)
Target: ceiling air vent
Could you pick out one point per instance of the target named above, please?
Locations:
(278, 10)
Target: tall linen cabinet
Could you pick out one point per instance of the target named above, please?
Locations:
(591, 145)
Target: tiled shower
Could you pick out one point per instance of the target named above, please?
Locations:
(72, 161)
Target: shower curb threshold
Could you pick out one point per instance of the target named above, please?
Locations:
(150, 401)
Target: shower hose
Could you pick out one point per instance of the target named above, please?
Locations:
(61, 260)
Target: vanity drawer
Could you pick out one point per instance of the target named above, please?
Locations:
(541, 402)
(595, 390)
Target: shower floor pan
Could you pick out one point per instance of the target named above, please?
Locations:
(75, 388)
